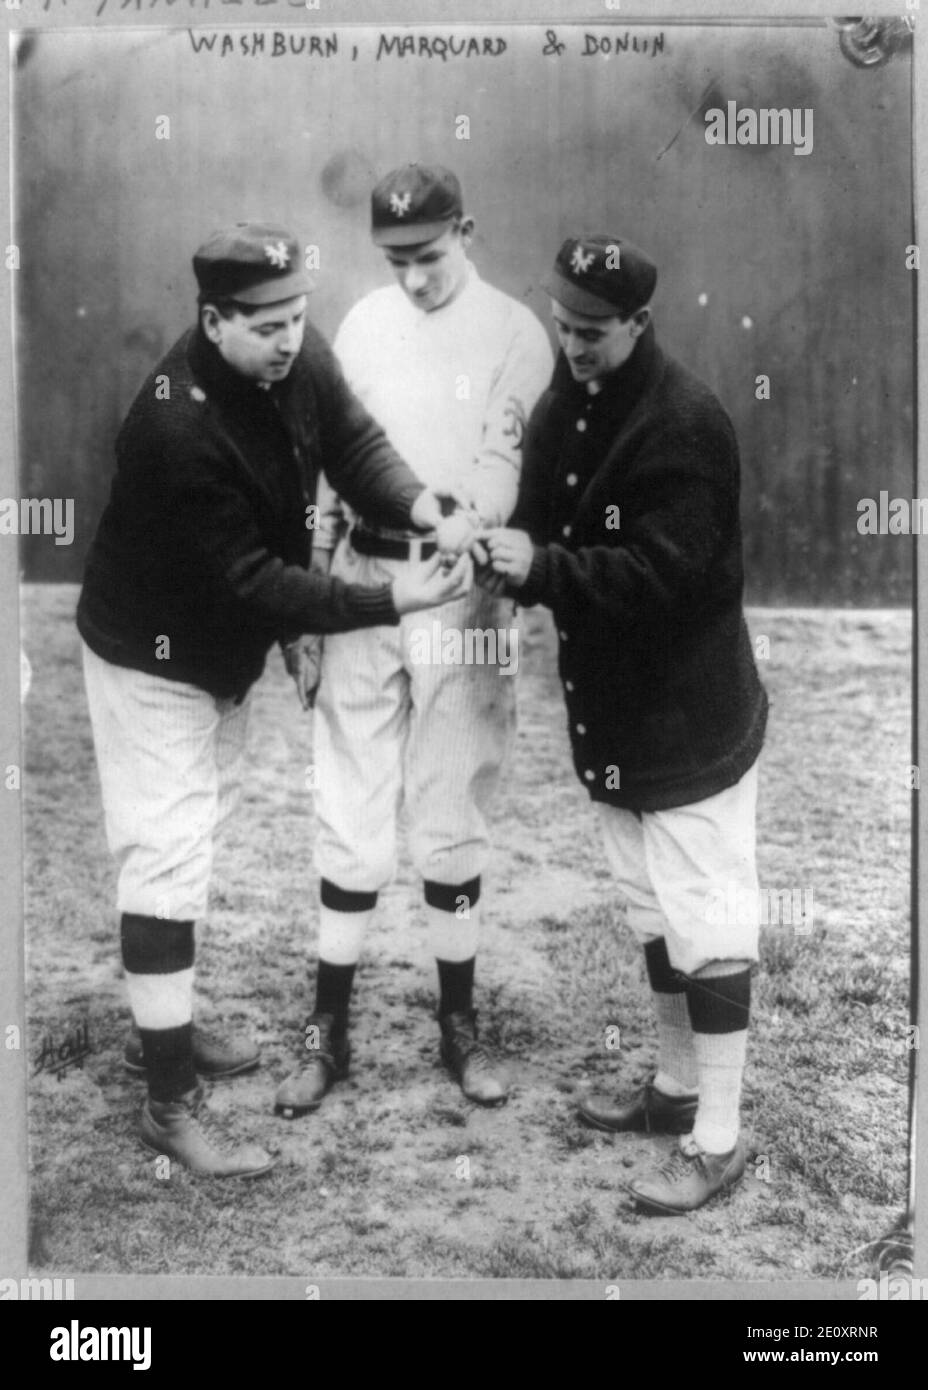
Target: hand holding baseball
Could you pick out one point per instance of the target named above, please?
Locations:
(458, 533)
(511, 554)
(454, 535)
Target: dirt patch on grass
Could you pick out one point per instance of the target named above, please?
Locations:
(397, 1175)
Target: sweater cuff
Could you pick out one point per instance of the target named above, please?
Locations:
(536, 585)
(404, 500)
(372, 607)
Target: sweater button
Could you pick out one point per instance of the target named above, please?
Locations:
(197, 394)
(581, 728)
(590, 775)
(581, 425)
(566, 531)
(569, 685)
(571, 480)
(563, 636)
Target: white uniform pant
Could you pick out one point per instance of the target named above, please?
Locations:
(689, 875)
(170, 759)
(393, 732)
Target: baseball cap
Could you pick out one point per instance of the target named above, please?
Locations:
(253, 262)
(414, 204)
(601, 276)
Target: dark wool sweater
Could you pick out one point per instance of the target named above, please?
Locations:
(663, 698)
(204, 539)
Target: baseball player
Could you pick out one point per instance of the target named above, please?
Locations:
(451, 368)
(627, 528)
(198, 566)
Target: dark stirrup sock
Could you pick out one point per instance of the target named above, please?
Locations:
(333, 993)
(719, 1003)
(456, 986)
(662, 977)
(153, 950)
(452, 897)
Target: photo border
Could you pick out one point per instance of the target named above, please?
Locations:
(41, 15)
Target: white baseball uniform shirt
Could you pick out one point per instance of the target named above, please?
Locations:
(453, 388)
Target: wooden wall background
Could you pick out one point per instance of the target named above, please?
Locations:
(799, 261)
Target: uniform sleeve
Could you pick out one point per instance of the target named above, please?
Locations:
(521, 377)
(359, 461)
(533, 505)
(332, 516)
(671, 524)
(216, 525)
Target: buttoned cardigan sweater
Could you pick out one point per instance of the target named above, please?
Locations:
(631, 498)
(205, 541)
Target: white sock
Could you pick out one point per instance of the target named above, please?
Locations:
(341, 934)
(453, 938)
(161, 1001)
(720, 1063)
(676, 1074)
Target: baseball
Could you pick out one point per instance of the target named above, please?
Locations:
(455, 534)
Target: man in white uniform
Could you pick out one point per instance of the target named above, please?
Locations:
(451, 368)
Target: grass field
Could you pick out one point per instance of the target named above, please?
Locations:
(372, 1184)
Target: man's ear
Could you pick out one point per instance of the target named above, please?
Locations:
(640, 320)
(467, 230)
(210, 319)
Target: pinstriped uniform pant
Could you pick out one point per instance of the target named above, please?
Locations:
(395, 735)
(170, 760)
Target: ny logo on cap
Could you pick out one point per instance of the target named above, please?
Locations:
(581, 261)
(278, 255)
(399, 204)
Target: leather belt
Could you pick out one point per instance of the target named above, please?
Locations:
(387, 548)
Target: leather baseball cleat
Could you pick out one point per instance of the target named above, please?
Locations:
(469, 1061)
(170, 1127)
(688, 1179)
(318, 1070)
(648, 1110)
(213, 1057)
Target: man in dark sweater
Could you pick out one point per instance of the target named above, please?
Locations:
(199, 564)
(627, 527)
